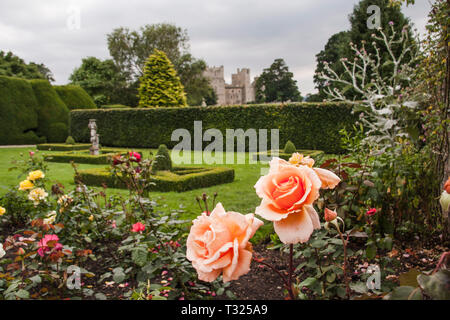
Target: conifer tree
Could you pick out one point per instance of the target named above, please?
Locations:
(159, 85)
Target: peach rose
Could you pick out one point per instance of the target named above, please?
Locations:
(219, 243)
(330, 215)
(288, 193)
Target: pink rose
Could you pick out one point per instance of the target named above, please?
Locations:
(288, 193)
(219, 243)
(371, 212)
(135, 156)
(138, 227)
(47, 243)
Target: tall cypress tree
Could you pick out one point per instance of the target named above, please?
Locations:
(159, 85)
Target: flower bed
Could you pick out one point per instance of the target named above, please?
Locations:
(180, 179)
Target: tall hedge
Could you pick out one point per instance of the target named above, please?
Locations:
(75, 97)
(18, 116)
(53, 114)
(307, 125)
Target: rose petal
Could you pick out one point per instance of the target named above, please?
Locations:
(297, 227)
(314, 216)
(269, 212)
(328, 178)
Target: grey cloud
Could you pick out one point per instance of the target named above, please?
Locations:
(233, 33)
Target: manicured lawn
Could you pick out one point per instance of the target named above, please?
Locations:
(237, 196)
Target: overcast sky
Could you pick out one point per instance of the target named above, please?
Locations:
(232, 33)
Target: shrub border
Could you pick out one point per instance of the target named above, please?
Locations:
(164, 181)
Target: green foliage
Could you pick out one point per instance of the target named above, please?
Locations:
(308, 125)
(70, 140)
(102, 80)
(53, 114)
(162, 160)
(160, 86)
(18, 114)
(277, 84)
(75, 97)
(13, 66)
(338, 48)
(289, 147)
(197, 86)
(180, 180)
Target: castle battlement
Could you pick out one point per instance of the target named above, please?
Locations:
(240, 91)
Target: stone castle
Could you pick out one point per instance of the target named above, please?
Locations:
(240, 91)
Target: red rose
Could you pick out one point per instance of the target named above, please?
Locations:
(135, 157)
(371, 212)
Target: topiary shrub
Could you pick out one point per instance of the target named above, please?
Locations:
(53, 114)
(70, 140)
(159, 85)
(18, 112)
(75, 97)
(57, 132)
(289, 147)
(162, 160)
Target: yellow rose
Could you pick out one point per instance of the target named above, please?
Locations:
(26, 185)
(35, 175)
(2, 211)
(37, 195)
(91, 218)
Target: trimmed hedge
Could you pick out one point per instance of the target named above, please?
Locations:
(62, 146)
(189, 178)
(287, 156)
(75, 97)
(81, 157)
(53, 114)
(308, 125)
(18, 115)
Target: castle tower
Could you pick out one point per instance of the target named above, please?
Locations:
(217, 80)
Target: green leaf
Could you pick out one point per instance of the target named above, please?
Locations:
(437, 285)
(23, 294)
(359, 287)
(139, 256)
(100, 296)
(308, 282)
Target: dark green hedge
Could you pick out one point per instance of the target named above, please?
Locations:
(63, 146)
(80, 157)
(75, 97)
(165, 181)
(53, 114)
(18, 116)
(308, 125)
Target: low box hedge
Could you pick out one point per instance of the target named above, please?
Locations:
(180, 179)
(286, 156)
(62, 146)
(81, 157)
(308, 125)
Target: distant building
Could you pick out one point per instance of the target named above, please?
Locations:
(240, 91)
